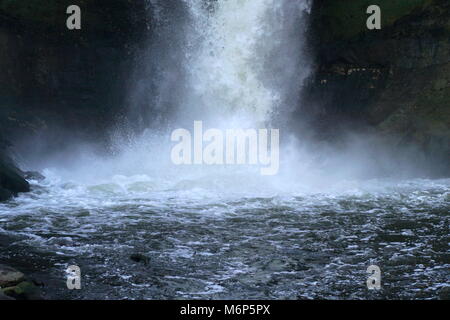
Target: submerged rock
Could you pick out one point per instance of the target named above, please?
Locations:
(444, 293)
(140, 258)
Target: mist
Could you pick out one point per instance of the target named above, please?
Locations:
(231, 66)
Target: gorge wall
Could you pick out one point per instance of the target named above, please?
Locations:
(57, 83)
(394, 81)
(53, 76)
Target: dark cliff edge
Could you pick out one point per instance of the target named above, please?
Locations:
(58, 84)
(394, 82)
(12, 180)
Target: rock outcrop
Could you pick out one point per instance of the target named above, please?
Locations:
(10, 276)
(12, 180)
(55, 77)
(395, 80)
(54, 80)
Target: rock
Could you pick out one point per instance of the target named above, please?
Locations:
(140, 258)
(24, 291)
(444, 293)
(345, 20)
(10, 276)
(4, 296)
(38, 283)
(45, 67)
(11, 180)
(394, 82)
(5, 194)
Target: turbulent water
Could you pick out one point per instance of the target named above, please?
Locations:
(206, 244)
(228, 232)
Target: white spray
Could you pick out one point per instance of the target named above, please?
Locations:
(236, 64)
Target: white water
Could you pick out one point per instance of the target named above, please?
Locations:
(241, 59)
(232, 52)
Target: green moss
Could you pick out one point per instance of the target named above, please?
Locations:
(23, 291)
(344, 19)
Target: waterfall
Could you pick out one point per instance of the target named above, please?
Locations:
(229, 63)
(242, 60)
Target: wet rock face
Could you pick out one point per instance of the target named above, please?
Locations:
(54, 76)
(395, 80)
(12, 181)
(5, 194)
(55, 80)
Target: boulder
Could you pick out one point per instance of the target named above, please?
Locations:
(12, 180)
(10, 276)
(140, 258)
(24, 291)
(4, 296)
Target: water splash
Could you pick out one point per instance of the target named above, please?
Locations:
(230, 55)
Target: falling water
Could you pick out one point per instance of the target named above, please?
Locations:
(226, 72)
(242, 60)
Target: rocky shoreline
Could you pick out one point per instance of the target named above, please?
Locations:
(14, 285)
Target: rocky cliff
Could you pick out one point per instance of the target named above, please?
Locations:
(395, 81)
(54, 75)
(55, 78)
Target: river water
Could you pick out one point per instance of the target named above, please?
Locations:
(205, 244)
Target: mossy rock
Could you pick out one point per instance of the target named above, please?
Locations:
(23, 291)
(10, 276)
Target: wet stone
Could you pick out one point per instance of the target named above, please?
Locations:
(10, 276)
